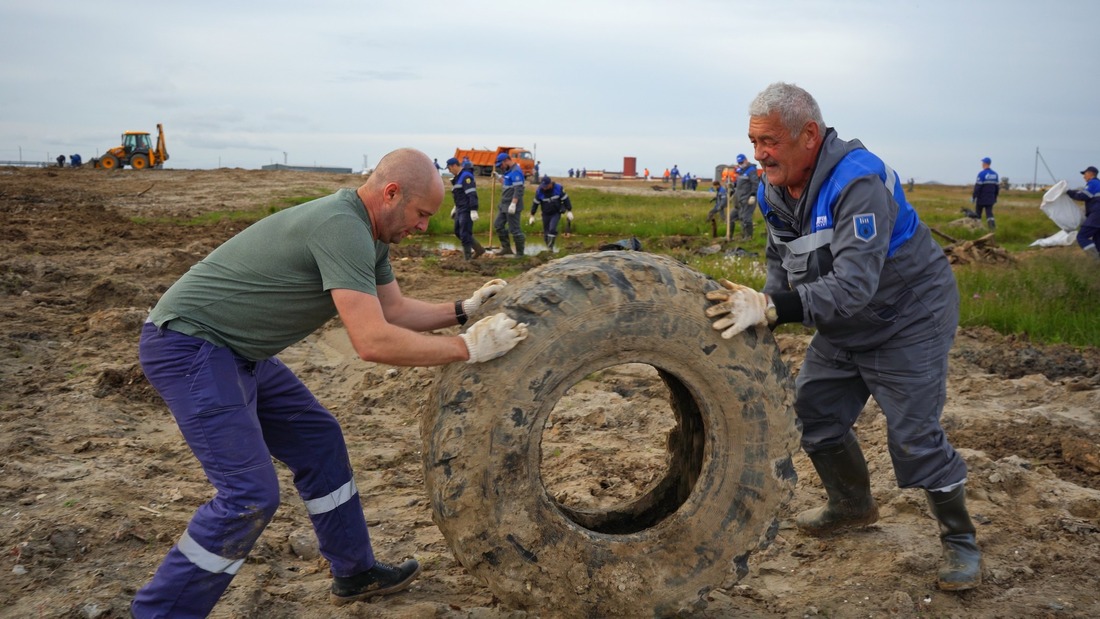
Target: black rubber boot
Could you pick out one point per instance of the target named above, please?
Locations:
(991, 223)
(478, 249)
(467, 251)
(844, 474)
(746, 232)
(962, 559)
(382, 579)
(520, 246)
(505, 246)
(550, 238)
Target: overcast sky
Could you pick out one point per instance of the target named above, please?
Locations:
(929, 86)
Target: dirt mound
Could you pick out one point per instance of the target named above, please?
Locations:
(1015, 357)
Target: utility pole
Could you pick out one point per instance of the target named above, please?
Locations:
(1038, 158)
(284, 157)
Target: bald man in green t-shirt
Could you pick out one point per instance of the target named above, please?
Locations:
(209, 349)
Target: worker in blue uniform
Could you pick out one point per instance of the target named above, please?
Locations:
(744, 191)
(1088, 237)
(511, 205)
(986, 190)
(464, 190)
(846, 253)
(554, 201)
(718, 211)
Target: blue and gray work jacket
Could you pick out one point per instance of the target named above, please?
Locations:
(1090, 195)
(987, 187)
(553, 200)
(512, 188)
(464, 190)
(851, 258)
(748, 183)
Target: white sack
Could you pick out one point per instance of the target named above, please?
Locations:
(1061, 209)
(1061, 238)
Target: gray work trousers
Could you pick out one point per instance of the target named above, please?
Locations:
(505, 223)
(909, 384)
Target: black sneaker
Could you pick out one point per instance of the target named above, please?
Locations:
(379, 580)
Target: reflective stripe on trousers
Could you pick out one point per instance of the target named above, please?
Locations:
(235, 416)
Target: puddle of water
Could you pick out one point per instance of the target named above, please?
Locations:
(531, 247)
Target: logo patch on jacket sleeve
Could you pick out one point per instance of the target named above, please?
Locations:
(865, 226)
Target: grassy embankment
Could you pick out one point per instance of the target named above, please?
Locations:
(1051, 295)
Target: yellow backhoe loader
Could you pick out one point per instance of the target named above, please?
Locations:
(136, 151)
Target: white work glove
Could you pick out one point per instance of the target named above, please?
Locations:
(493, 336)
(739, 308)
(752, 200)
(512, 208)
(473, 215)
(530, 220)
(488, 289)
(569, 215)
(453, 209)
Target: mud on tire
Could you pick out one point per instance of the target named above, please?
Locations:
(692, 530)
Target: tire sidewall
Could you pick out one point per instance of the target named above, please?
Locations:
(482, 440)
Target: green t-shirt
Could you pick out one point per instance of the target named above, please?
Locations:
(268, 287)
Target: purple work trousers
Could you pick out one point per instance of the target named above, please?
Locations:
(236, 415)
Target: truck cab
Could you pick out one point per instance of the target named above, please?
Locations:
(524, 159)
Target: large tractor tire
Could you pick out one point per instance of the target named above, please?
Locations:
(729, 454)
(139, 161)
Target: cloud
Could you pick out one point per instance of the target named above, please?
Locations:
(930, 85)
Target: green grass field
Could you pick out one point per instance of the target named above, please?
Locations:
(1050, 295)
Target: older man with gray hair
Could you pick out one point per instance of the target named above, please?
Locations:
(847, 254)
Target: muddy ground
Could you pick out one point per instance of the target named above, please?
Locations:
(96, 483)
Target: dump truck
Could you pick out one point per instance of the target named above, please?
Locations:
(484, 159)
(136, 151)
